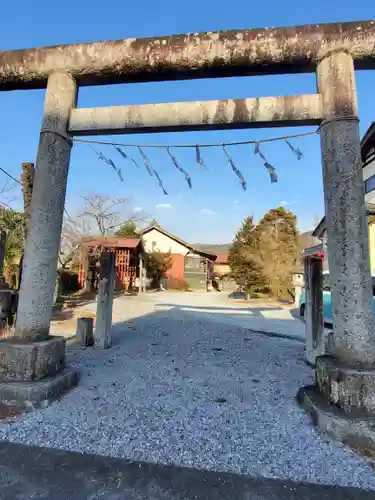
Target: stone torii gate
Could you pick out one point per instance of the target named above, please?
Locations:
(345, 380)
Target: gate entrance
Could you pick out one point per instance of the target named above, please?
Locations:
(332, 51)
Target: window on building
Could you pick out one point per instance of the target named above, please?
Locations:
(192, 262)
(370, 184)
(369, 158)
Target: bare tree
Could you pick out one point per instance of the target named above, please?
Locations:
(99, 216)
(5, 191)
(105, 214)
(73, 231)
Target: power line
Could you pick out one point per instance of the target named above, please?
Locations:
(67, 214)
(10, 176)
(221, 144)
(6, 205)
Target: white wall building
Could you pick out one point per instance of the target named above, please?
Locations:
(368, 158)
(155, 240)
(368, 172)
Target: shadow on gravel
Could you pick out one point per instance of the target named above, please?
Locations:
(251, 310)
(274, 321)
(30, 472)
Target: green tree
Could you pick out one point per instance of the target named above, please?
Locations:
(157, 264)
(128, 228)
(244, 261)
(278, 241)
(14, 223)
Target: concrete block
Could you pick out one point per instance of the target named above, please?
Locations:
(22, 395)
(85, 332)
(355, 431)
(26, 361)
(350, 389)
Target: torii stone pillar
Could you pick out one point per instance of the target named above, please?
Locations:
(345, 381)
(47, 209)
(347, 229)
(33, 354)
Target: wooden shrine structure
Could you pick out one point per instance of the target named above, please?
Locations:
(128, 255)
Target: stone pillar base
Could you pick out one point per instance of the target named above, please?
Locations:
(33, 372)
(350, 389)
(342, 403)
(357, 431)
(22, 396)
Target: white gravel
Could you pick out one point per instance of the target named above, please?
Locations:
(154, 396)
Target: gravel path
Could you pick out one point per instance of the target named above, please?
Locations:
(177, 390)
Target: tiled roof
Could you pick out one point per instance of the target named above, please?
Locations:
(112, 241)
(222, 258)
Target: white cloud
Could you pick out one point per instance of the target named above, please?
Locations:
(284, 203)
(207, 211)
(167, 206)
(236, 202)
(138, 209)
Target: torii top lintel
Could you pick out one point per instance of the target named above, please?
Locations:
(195, 55)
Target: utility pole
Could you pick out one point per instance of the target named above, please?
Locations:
(27, 178)
(3, 239)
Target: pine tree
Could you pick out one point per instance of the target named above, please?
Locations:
(157, 264)
(127, 229)
(278, 249)
(244, 261)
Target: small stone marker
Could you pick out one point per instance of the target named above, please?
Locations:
(104, 315)
(85, 332)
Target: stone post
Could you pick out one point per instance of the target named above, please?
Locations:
(111, 283)
(314, 328)
(144, 280)
(347, 232)
(48, 198)
(140, 288)
(103, 325)
(105, 301)
(85, 332)
(297, 294)
(297, 283)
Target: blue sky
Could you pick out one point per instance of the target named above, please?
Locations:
(213, 209)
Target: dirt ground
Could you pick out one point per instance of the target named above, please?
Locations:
(64, 321)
